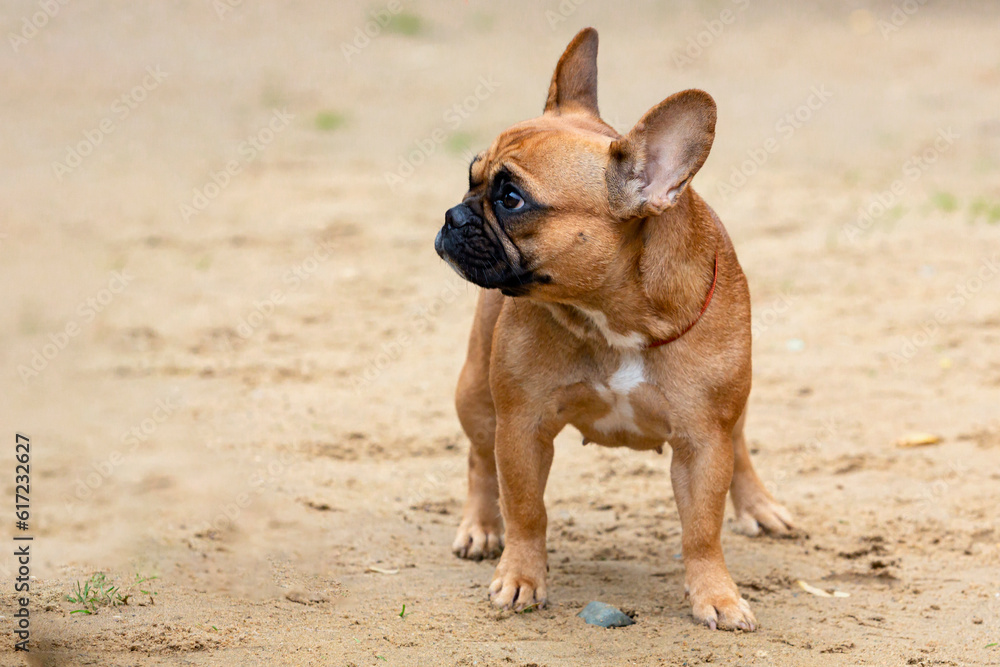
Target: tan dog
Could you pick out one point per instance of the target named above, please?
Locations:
(614, 303)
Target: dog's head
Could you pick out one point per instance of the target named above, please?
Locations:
(549, 201)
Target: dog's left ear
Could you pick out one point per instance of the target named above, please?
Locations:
(651, 166)
(574, 83)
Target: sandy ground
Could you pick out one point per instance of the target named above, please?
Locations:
(232, 209)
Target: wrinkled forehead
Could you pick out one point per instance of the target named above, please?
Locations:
(544, 147)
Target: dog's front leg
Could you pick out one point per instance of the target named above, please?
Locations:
(523, 456)
(701, 471)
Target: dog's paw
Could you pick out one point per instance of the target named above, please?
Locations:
(518, 583)
(761, 513)
(722, 608)
(477, 539)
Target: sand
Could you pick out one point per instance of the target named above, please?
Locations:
(232, 208)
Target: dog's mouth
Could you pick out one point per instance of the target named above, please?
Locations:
(520, 284)
(439, 248)
(475, 258)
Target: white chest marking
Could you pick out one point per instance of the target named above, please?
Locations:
(629, 375)
(621, 417)
(629, 341)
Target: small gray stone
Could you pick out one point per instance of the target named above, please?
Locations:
(604, 615)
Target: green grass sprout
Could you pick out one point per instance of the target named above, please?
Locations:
(100, 590)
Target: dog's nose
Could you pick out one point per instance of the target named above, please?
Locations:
(458, 216)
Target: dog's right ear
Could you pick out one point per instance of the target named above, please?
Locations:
(651, 166)
(574, 83)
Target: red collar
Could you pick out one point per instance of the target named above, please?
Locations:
(708, 300)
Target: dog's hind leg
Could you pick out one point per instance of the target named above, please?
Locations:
(756, 509)
(480, 534)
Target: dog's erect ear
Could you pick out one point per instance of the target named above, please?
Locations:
(574, 84)
(651, 166)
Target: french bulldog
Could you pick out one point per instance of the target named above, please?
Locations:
(613, 302)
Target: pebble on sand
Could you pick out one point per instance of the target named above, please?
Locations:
(604, 615)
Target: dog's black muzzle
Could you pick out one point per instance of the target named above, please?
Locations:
(474, 249)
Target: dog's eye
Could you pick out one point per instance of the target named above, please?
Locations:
(510, 198)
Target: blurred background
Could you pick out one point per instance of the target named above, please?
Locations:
(232, 344)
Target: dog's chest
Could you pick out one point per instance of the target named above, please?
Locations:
(615, 393)
(623, 407)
